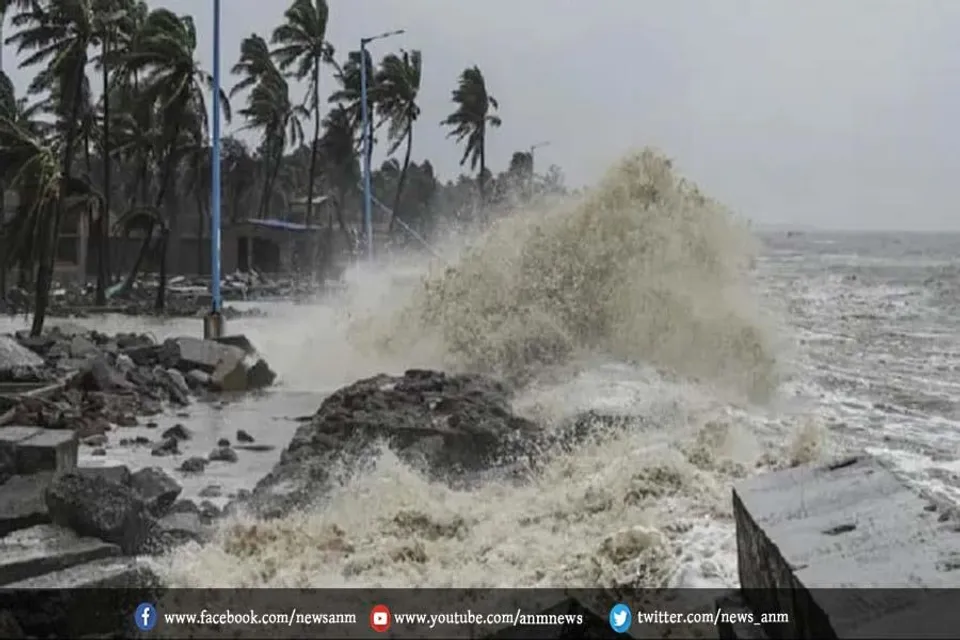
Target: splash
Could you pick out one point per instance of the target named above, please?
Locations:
(643, 268)
(631, 296)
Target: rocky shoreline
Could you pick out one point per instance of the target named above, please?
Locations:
(85, 527)
(65, 526)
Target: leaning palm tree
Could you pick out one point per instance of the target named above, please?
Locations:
(347, 96)
(174, 83)
(398, 84)
(470, 121)
(270, 110)
(59, 37)
(302, 43)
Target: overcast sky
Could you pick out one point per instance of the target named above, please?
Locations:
(830, 113)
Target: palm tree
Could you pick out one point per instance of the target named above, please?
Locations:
(174, 83)
(269, 108)
(339, 151)
(59, 37)
(471, 119)
(109, 15)
(398, 84)
(302, 42)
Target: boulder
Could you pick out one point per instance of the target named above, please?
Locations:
(247, 374)
(157, 489)
(22, 502)
(93, 506)
(97, 374)
(187, 354)
(14, 356)
(117, 474)
(456, 427)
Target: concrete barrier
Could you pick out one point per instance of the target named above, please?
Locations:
(846, 549)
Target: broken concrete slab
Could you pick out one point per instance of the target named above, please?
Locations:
(187, 354)
(22, 502)
(48, 450)
(805, 533)
(36, 449)
(108, 572)
(13, 355)
(91, 600)
(36, 551)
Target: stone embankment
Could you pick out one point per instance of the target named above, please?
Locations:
(63, 526)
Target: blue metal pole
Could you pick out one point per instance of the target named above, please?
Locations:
(367, 219)
(215, 167)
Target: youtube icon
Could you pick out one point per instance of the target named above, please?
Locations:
(380, 618)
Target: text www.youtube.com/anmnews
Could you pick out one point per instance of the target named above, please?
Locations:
(381, 618)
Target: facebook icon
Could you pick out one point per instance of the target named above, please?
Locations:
(145, 616)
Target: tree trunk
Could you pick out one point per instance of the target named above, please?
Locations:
(268, 192)
(50, 241)
(313, 246)
(265, 196)
(103, 229)
(161, 302)
(403, 178)
(141, 255)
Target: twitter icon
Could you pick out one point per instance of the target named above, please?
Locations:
(620, 618)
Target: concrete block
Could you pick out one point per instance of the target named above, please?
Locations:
(22, 502)
(805, 533)
(110, 573)
(49, 450)
(188, 353)
(33, 552)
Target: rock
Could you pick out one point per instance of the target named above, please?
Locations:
(255, 447)
(246, 374)
(173, 383)
(22, 502)
(188, 353)
(211, 491)
(143, 355)
(167, 447)
(117, 474)
(243, 436)
(180, 528)
(35, 449)
(177, 432)
(456, 427)
(98, 375)
(36, 551)
(104, 576)
(157, 489)
(99, 451)
(13, 355)
(124, 363)
(223, 442)
(209, 511)
(194, 465)
(92, 506)
(81, 347)
(198, 379)
(98, 440)
(223, 454)
(185, 506)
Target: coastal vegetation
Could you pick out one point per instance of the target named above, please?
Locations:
(114, 129)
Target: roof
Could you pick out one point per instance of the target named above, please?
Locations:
(281, 225)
